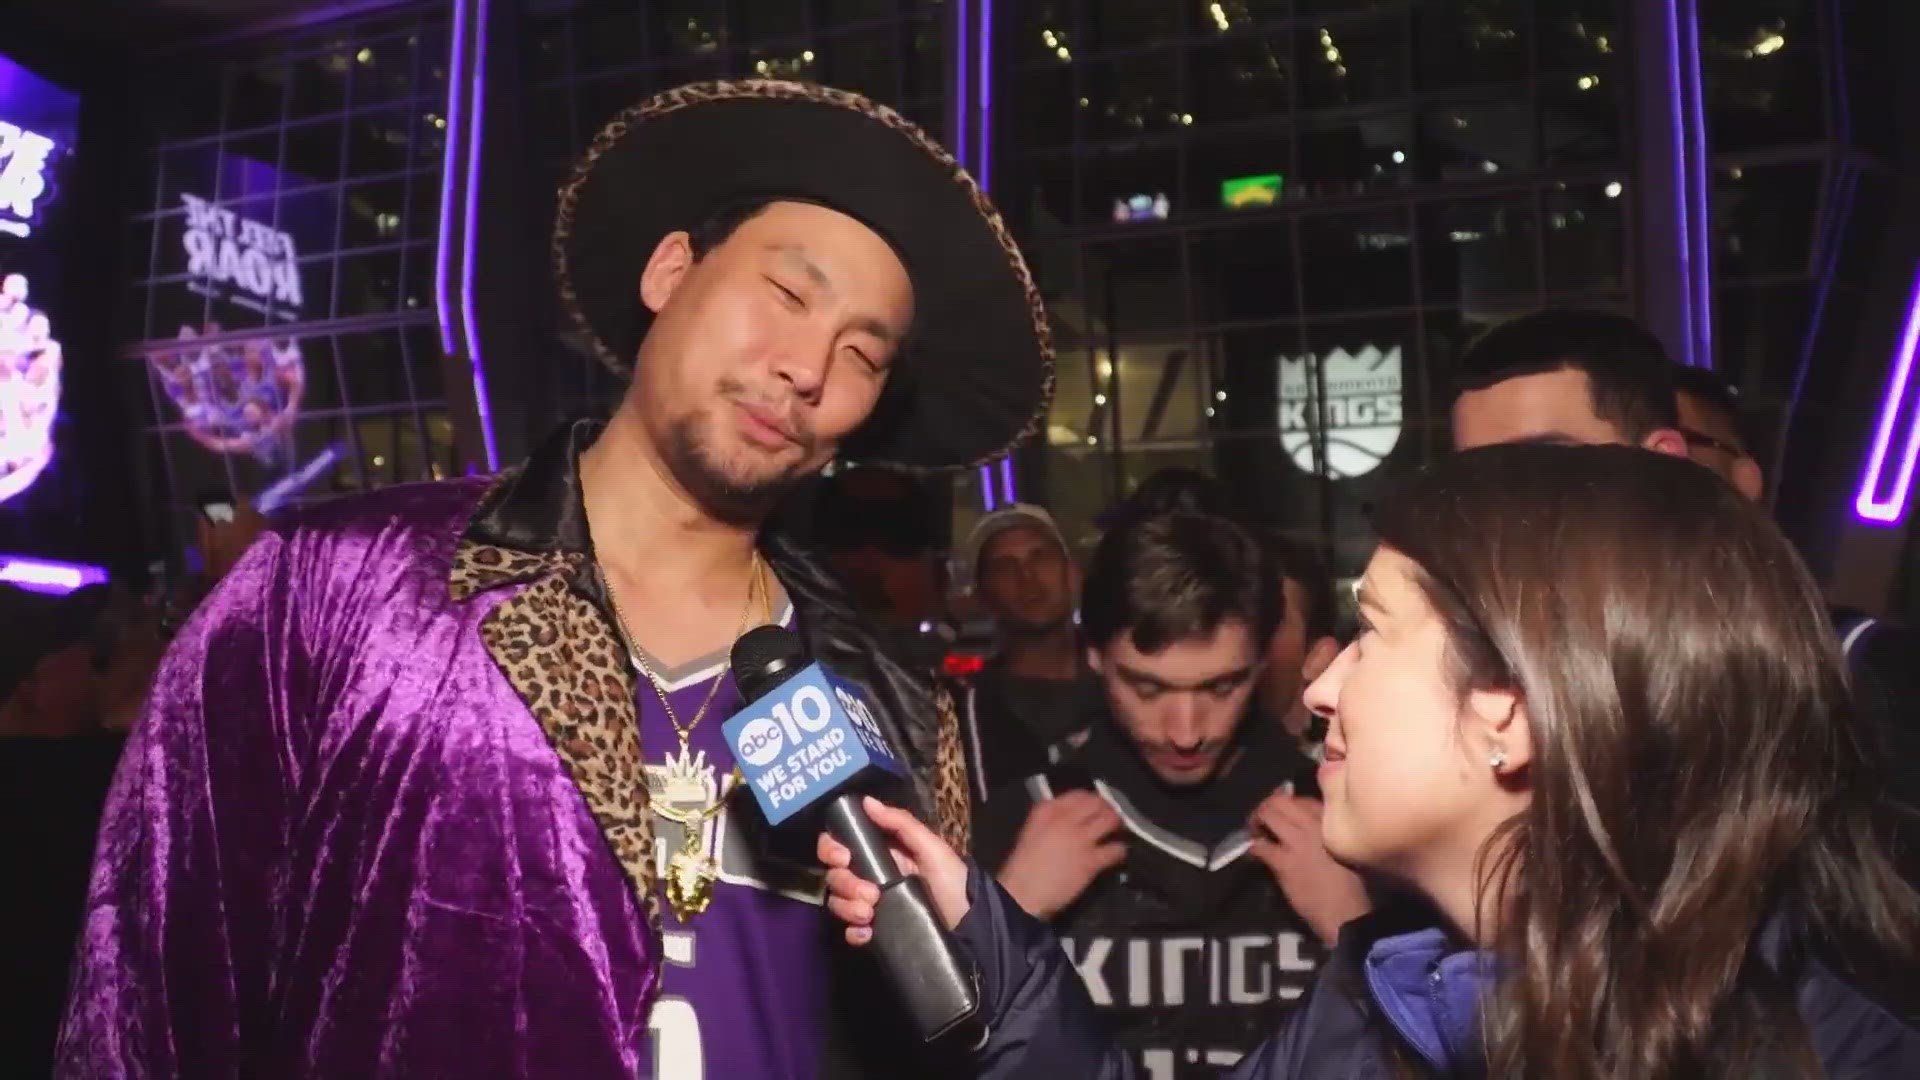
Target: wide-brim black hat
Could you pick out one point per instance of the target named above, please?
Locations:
(976, 375)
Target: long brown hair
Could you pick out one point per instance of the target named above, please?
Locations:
(1696, 767)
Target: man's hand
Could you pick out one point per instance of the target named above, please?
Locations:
(1062, 847)
(1286, 831)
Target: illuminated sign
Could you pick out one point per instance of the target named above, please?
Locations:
(48, 575)
(1362, 409)
(29, 388)
(234, 396)
(247, 262)
(1142, 207)
(23, 176)
(1242, 192)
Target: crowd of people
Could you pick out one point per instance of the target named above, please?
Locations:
(1592, 784)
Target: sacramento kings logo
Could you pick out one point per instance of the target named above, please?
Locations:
(1362, 409)
(234, 397)
(29, 388)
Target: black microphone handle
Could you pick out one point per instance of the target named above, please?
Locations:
(872, 852)
(934, 978)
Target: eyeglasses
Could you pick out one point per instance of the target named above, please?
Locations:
(1708, 442)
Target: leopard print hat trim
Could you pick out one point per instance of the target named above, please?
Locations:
(700, 93)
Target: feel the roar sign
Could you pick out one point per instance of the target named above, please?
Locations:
(804, 741)
(247, 262)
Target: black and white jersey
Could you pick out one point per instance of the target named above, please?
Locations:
(1188, 947)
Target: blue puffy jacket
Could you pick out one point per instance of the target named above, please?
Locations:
(1043, 1025)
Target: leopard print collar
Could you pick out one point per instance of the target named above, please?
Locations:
(555, 641)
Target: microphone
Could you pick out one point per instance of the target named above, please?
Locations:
(809, 748)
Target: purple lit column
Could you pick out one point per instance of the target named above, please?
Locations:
(1882, 500)
(972, 143)
(460, 201)
(1670, 186)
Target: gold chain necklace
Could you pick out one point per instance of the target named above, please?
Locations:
(692, 870)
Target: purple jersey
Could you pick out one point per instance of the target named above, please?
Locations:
(743, 984)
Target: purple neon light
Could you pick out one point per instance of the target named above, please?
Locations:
(449, 168)
(1006, 479)
(48, 575)
(1695, 174)
(960, 92)
(986, 487)
(1868, 503)
(475, 128)
(986, 109)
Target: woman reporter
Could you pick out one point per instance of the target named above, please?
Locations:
(1594, 716)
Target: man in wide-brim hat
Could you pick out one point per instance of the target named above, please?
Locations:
(434, 784)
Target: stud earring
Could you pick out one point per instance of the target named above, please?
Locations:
(1498, 760)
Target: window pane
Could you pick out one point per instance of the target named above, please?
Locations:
(1158, 386)
(314, 153)
(610, 35)
(389, 71)
(320, 82)
(1130, 24)
(369, 283)
(257, 94)
(1478, 250)
(373, 211)
(1760, 74)
(1458, 45)
(866, 61)
(925, 73)
(1763, 219)
(1581, 37)
(1240, 78)
(1359, 261)
(1353, 62)
(1111, 178)
(1342, 157)
(770, 20)
(1585, 232)
(392, 140)
(427, 363)
(1135, 285)
(1044, 107)
(1579, 127)
(677, 29)
(1244, 273)
(1473, 140)
(1132, 94)
(1041, 28)
(1050, 178)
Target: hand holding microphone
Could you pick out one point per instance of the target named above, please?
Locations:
(809, 749)
(918, 849)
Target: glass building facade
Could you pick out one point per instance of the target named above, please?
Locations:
(282, 263)
(1267, 228)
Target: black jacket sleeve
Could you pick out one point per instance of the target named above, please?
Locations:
(997, 824)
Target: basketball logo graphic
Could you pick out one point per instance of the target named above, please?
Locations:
(29, 388)
(233, 397)
(1362, 409)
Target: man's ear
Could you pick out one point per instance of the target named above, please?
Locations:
(668, 265)
(1666, 441)
(1319, 657)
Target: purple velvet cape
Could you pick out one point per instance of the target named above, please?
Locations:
(340, 844)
